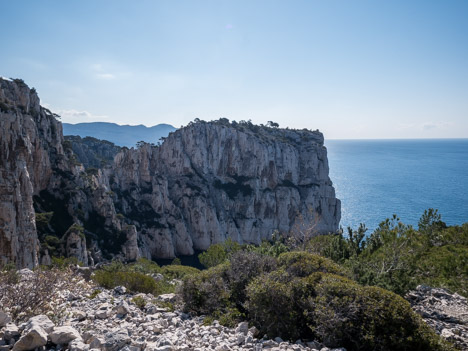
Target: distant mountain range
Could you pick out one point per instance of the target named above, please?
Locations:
(122, 135)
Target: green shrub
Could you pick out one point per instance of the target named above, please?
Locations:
(343, 313)
(94, 294)
(303, 264)
(133, 281)
(273, 304)
(176, 261)
(218, 253)
(213, 256)
(42, 220)
(143, 265)
(178, 271)
(338, 312)
(208, 291)
(334, 247)
(65, 262)
(221, 289)
(139, 302)
(231, 317)
(245, 266)
(445, 267)
(208, 320)
(274, 248)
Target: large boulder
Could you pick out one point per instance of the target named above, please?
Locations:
(33, 337)
(63, 335)
(4, 319)
(42, 321)
(10, 331)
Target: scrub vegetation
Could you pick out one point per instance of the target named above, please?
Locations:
(344, 290)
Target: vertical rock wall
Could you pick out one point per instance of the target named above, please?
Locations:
(29, 137)
(212, 181)
(207, 182)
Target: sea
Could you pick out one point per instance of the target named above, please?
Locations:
(375, 179)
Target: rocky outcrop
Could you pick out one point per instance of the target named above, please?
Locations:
(207, 182)
(447, 313)
(75, 244)
(212, 181)
(39, 175)
(92, 152)
(30, 142)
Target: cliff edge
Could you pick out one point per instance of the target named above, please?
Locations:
(206, 182)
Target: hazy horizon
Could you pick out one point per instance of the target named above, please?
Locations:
(155, 125)
(353, 70)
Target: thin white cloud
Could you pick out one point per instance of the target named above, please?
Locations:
(435, 125)
(100, 72)
(106, 76)
(76, 116)
(425, 126)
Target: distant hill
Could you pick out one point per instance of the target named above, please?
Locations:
(125, 135)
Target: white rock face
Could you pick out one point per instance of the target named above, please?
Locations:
(206, 183)
(209, 182)
(76, 245)
(33, 161)
(25, 168)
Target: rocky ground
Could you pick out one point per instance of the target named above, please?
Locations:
(79, 316)
(85, 318)
(445, 312)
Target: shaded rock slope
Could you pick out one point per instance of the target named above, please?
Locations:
(447, 313)
(207, 182)
(121, 135)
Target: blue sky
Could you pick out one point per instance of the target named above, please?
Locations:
(353, 69)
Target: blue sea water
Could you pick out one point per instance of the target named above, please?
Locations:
(375, 179)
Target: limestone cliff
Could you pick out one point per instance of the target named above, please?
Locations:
(212, 181)
(40, 176)
(30, 142)
(205, 183)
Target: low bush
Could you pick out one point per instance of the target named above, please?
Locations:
(303, 295)
(95, 293)
(213, 256)
(337, 311)
(272, 304)
(139, 302)
(133, 281)
(445, 267)
(178, 271)
(230, 317)
(303, 264)
(143, 265)
(343, 313)
(65, 262)
(218, 253)
(39, 292)
(208, 291)
(245, 266)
